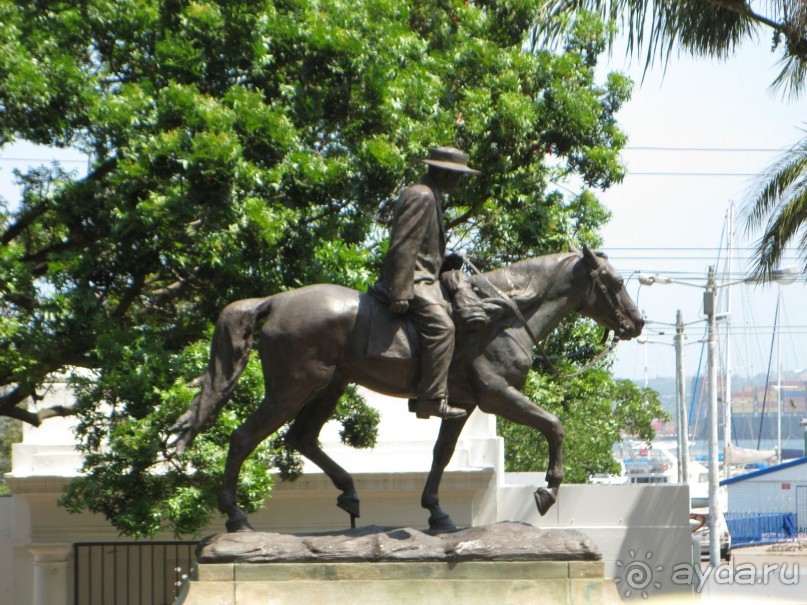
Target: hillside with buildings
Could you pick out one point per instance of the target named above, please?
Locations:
(753, 402)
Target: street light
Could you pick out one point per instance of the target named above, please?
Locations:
(649, 280)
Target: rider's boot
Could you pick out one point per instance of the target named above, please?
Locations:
(426, 408)
(471, 310)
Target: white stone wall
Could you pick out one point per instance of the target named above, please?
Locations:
(619, 519)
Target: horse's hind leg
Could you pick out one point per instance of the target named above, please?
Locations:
(264, 421)
(450, 430)
(303, 436)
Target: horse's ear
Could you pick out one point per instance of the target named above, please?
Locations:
(572, 247)
(590, 258)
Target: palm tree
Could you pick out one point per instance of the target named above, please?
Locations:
(710, 28)
(777, 205)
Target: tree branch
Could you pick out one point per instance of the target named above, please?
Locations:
(8, 401)
(329, 211)
(36, 418)
(169, 292)
(129, 297)
(44, 253)
(461, 219)
(24, 220)
(31, 214)
(795, 35)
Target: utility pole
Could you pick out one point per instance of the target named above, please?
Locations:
(683, 423)
(709, 309)
(778, 376)
(727, 411)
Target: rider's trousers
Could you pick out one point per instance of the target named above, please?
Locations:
(436, 329)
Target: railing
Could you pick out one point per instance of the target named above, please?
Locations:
(748, 529)
(131, 573)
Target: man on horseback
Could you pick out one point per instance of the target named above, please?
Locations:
(410, 279)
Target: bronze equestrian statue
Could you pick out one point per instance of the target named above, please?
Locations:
(313, 342)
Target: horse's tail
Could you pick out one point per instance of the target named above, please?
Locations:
(229, 354)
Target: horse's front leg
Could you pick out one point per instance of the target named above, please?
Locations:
(450, 430)
(507, 402)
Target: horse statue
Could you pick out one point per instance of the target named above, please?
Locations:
(313, 343)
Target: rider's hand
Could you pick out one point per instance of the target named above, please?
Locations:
(399, 306)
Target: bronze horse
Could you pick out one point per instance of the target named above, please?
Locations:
(313, 344)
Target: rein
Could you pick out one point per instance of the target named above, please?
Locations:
(595, 277)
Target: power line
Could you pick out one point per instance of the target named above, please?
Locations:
(694, 174)
(662, 248)
(706, 149)
(21, 160)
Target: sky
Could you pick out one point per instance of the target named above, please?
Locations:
(699, 133)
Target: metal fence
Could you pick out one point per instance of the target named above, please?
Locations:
(131, 573)
(748, 529)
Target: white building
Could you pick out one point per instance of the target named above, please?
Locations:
(52, 557)
(778, 489)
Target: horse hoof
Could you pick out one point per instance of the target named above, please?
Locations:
(441, 522)
(544, 499)
(349, 504)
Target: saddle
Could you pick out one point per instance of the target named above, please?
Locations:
(393, 336)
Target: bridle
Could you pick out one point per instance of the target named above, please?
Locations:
(616, 307)
(595, 275)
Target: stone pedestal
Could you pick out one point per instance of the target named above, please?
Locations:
(504, 563)
(405, 583)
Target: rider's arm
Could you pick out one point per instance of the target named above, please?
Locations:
(413, 213)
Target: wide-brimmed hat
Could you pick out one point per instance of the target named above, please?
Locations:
(449, 158)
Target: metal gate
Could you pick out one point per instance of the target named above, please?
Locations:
(130, 573)
(801, 508)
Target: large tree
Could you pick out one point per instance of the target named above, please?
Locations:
(242, 148)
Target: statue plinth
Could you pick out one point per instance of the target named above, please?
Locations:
(503, 563)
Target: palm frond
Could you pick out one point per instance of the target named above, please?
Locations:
(659, 27)
(792, 79)
(777, 206)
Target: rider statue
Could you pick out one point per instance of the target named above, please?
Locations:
(413, 270)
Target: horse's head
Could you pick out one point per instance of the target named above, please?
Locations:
(606, 301)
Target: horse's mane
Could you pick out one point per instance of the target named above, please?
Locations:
(520, 280)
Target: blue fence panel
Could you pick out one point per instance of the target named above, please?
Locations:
(747, 529)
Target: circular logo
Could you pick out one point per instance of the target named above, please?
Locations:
(637, 575)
